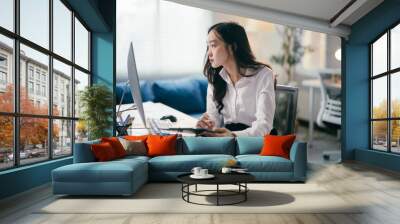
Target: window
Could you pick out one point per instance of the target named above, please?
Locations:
(81, 81)
(385, 95)
(3, 78)
(62, 31)
(43, 90)
(81, 45)
(38, 89)
(43, 77)
(37, 74)
(35, 21)
(6, 88)
(30, 87)
(3, 61)
(7, 14)
(54, 126)
(30, 72)
(62, 74)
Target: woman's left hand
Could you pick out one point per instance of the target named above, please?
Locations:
(218, 132)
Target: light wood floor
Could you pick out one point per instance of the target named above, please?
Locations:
(354, 182)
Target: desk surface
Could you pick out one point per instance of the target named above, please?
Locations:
(155, 111)
(316, 83)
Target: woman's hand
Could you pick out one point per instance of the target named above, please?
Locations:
(218, 132)
(205, 122)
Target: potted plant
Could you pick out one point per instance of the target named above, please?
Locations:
(292, 51)
(96, 104)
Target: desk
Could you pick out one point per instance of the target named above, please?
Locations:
(311, 84)
(155, 110)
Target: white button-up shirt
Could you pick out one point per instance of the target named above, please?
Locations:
(250, 101)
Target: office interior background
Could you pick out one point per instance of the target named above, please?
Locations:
(173, 46)
(166, 47)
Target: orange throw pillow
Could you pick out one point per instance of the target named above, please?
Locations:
(103, 151)
(116, 145)
(161, 145)
(277, 145)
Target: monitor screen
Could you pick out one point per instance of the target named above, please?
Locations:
(133, 79)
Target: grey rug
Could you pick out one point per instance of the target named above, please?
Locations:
(166, 198)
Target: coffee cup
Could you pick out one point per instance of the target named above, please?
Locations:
(203, 172)
(196, 170)
(226, 170)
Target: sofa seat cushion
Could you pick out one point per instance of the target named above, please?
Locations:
(257, 163)
(185, 163)
(113, 171)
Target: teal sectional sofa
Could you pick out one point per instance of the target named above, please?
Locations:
(125, 176)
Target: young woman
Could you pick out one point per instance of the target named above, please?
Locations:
(240, 94)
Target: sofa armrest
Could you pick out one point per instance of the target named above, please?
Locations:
(83, 152)
(298, 155)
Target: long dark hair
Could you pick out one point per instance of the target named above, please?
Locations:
(233, 35)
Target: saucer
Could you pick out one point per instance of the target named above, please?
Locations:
(208, 176)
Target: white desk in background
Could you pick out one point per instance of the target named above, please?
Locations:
(156, 110)
(311, 84)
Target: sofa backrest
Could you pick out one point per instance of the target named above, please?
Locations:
(249, 145)
(186, 95)
(208, 145)
(83, 152)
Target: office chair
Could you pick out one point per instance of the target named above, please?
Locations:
(329, 114)
(285, 110)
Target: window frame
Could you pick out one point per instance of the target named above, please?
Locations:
(16, 114)
(388, 74)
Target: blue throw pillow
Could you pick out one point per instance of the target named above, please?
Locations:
(184, 95)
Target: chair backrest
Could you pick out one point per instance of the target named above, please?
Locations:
(286, 109)
(330, 111)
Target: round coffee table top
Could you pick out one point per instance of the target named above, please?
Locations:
(220, 178)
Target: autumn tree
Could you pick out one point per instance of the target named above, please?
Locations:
(33, 131)
(380, 127)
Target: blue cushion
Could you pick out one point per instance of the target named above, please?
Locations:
(184, 163)
(184, 95)
(208, 145)
(249, 145)
(145, 90)
(257, 163)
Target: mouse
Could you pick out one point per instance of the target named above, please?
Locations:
(172, 118)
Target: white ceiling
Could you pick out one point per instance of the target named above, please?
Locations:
(315, 15)
(319, 9)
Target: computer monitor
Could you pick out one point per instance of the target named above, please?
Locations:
(133, 79)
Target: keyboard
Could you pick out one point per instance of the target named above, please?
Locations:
(157, 126)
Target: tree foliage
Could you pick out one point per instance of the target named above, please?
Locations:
(380, 127)
(33, 130)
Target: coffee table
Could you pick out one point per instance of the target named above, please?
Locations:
(238, 179)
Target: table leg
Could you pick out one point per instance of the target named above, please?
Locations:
(217, 194)
(311, 115)
(188, 190)
(245, 192)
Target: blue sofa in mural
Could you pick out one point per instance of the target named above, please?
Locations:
(125, 176)
(187, 95)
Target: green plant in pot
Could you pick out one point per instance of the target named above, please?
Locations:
(292, 51)
(96, 104)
